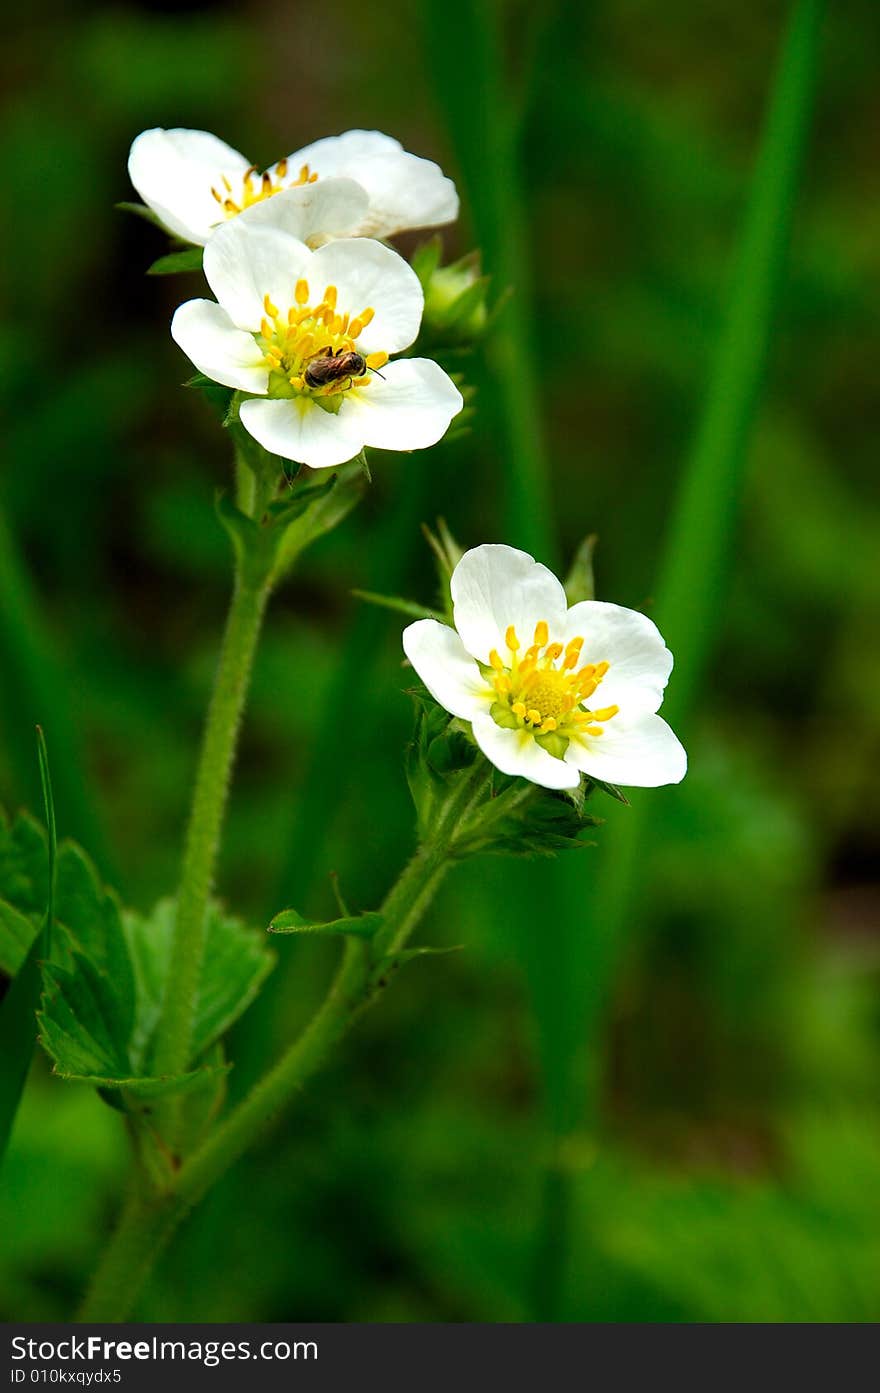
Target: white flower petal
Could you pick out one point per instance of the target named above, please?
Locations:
(517, 752)
(632, 644)
(366, 274)
(643, 753)
(217, 348)
(408, 408)
(450, 674)
(174, 171)
(334, 154)
(330, 208)
(245, 261)
(296, 429)
(404, 190)
(496, 586)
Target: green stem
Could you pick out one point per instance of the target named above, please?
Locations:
(148, 1223)
(248, 606)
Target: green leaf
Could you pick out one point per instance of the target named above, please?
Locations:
(235, 965)
(24, 866)
(18, 1009)
(93, 918)
(400, 606)
(170, 265)
(17, 933)
(289, 921)
(17, 1037)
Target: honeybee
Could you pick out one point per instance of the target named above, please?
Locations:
(333, 367)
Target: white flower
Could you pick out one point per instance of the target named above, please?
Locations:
(360, 184)
(310, 333)
(550, 692)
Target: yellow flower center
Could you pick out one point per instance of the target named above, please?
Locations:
(312, 349)
(255, 190)
(547, 689)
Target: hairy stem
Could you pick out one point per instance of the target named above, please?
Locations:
(248, 606)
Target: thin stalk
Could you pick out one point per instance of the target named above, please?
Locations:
(148, 1222)
(250, 594)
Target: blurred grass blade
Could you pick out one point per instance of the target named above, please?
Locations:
(695, 567)
(33, 688)
(696, 563)
(18, 1009)
(467, 63)
(693, 579)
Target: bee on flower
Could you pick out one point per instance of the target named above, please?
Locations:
(551, 692)
(309, 336)
(359, 184)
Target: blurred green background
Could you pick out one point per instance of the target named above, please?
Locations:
(654, 1105)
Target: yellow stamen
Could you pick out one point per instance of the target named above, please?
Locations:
(502, 684)
(281, 168)
(301, 294)
(534, 716)
(518, 709)
(605, 713)
(376, 360)
(330, 295)
(511, 639)
(594, 730)
(495, 660)
(366, 316)
(542, 633)
(573, 652)
(553, 652)
(271, 310)
(266, 329)
(549, 724)
(356, 327)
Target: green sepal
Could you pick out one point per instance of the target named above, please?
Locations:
(447, 554)
(218, 397)
(439, 750)
(580, 583)
(141, 210)
(611, 789)
(289, 921)
(300, 498)
(399, 605)
(426, 258)
(188, 260)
